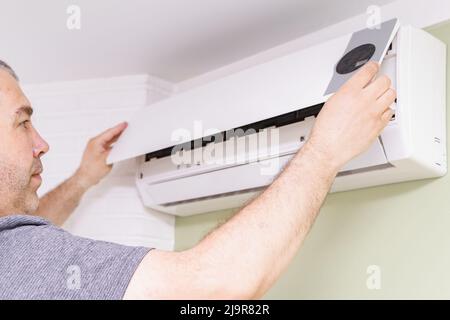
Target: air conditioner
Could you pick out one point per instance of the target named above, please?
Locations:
(175, 139)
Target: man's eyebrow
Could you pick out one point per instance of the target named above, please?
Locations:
(25, 109)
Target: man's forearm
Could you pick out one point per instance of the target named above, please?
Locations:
(269, 230)
(58, 204)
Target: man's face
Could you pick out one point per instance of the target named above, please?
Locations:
(20, 150)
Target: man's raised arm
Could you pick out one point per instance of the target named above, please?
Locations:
(242, 258)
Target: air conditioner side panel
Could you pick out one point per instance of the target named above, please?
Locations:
(427, 100)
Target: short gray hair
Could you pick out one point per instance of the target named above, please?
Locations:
(5, 66)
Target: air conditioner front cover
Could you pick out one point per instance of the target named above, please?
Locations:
(288, 83)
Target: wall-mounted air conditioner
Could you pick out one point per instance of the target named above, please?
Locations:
(264, 114)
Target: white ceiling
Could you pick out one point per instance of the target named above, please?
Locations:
(174, 40)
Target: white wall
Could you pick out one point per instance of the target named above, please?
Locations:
(67, 114)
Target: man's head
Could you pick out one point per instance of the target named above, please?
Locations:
(20, 148)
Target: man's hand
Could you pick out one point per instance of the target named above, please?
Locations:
(352, 118)
(93, 165)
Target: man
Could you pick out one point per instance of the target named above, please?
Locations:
(239, 260)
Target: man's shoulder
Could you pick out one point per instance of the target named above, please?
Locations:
(14, 221)
(39, 258)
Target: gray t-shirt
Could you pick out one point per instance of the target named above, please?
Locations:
(41, 261)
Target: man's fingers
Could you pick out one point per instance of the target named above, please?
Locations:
(387, 116)
(386, 100)
(112, 134)
(364, 75)
(379, 86)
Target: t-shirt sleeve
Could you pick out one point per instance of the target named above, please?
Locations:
(50, 263)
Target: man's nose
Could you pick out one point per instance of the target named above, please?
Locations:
(40, 146)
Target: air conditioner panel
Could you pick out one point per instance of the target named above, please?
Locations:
(296, 81)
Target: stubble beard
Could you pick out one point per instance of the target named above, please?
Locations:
(16, 191)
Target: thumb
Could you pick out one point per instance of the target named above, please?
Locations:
(111, 135)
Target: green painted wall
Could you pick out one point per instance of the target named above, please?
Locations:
(402, 228)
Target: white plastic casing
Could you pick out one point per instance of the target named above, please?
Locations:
(412, 146)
